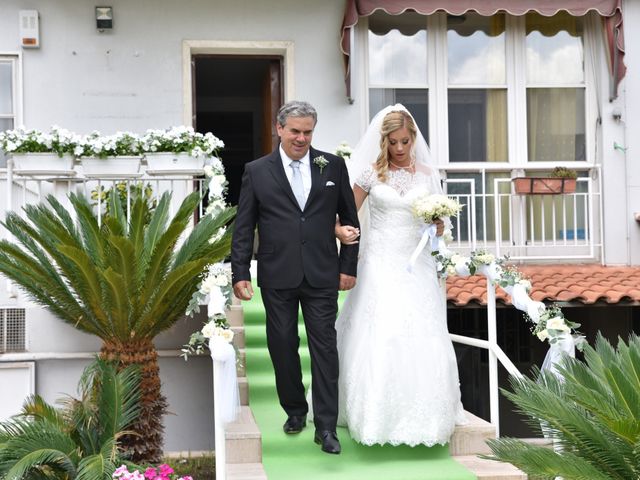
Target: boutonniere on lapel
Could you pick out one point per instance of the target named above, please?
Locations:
(321, 162)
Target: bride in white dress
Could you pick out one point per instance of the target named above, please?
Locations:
(398, 372)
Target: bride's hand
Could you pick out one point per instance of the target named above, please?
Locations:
(440, 227)
(347, 234)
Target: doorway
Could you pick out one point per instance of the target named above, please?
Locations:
(236, 97)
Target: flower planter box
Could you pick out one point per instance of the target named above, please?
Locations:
(543, 185)
(173, 163)
(43, 164)
(111, 167)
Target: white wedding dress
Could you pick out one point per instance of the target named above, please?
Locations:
(398, 371)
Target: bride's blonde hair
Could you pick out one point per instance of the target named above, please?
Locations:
(393, 121)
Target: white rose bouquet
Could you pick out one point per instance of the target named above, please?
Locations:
(431, 207)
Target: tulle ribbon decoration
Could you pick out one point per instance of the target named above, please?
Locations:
(429, 231)
(223, 353)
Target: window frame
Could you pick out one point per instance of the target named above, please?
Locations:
(15, 59)
(516, 88)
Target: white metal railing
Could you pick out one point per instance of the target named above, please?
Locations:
(527, 227)
(496, 354)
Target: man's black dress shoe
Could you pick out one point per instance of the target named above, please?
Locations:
(328, 441)
(294, 424)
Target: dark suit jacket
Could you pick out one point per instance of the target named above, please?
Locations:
(292, 243)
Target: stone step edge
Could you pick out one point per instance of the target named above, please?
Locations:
(489, 469)
(245, 426)
(246, 471)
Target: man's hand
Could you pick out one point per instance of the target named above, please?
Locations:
(243, 290)
(440, 225)
(347, 282)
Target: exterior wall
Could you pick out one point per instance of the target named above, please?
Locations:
(188, 386)
(131, 78)
(631, 119)
(621, 173)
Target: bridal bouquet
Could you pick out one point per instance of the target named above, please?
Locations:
(429, 208)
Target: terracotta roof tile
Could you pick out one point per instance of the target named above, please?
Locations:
(587, 284)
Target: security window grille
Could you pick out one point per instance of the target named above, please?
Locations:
(12, 330)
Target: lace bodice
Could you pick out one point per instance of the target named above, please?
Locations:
(401, 181)
(393, 230)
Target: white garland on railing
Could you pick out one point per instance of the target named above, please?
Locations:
(549, 322)
(216, 291)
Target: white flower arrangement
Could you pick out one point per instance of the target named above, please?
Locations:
(217, 286)
(180, 139)
(552, 325)
(549, 323)
(103, 146)
(431, 207)
(344, 150)
(22, 140)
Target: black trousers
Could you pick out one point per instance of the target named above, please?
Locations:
(319, 309)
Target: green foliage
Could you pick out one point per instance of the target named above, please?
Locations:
(593, 417)
(125, 192)
(122, 279)
(78, 441)
(563, 172)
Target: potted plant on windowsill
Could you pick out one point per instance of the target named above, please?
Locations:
(36, 153)
(112, 156)
(561, 180)
(178, 150)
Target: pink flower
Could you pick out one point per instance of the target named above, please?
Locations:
(122, 469)
(150, 473)
(165, 470)
(188, 477)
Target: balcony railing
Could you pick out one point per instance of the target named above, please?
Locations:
(526, 227)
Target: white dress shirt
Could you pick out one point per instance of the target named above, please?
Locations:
(305, 170)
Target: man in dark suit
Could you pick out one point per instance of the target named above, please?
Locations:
(293, 196)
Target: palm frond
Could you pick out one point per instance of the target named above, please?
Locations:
(101, 465)
(542, 462)
(118, 404)
(591, 414)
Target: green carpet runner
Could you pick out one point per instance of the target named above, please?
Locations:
(297, 457)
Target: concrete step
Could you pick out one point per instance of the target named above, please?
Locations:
(238, 337)
(246, 471)
(235, 316)
(243, 387)
(241, 364)
(471, 438)
(490, 470)
(243, 439)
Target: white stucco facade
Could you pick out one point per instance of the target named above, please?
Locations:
(133, 78)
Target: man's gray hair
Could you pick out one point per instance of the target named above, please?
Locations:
(296, 108)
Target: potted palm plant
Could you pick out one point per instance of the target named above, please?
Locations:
(561, 180)
(37, 153)
(122, 279)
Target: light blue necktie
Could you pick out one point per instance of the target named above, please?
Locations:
(296, 183)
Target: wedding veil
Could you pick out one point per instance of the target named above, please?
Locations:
(366, 152)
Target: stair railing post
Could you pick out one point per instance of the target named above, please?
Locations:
(494, 400)
(220, 447)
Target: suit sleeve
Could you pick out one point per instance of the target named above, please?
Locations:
(348, 216)
(244, 228)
